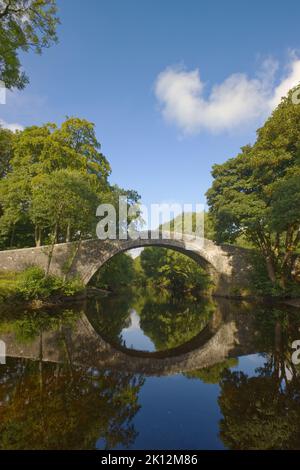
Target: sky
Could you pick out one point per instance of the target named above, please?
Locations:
(173, 86)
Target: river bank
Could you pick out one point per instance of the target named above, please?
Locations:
(32, 289)
(94, 292)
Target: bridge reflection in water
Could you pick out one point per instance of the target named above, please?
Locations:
(67, 385)
(230, 332)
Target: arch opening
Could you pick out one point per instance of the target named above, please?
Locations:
(162, 305)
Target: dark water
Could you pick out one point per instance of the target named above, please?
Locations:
(149, 372)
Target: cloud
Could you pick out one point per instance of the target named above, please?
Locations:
(12, 126)
(289, 81)
(237, 101)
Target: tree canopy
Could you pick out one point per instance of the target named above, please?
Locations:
(255, 195)
(52, 180)
(24, 25)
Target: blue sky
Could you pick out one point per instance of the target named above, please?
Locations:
(172, 86)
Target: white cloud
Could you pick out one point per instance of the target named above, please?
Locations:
(11, 126)
(237, 101)
(291, 79)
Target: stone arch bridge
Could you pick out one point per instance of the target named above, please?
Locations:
(228, 265)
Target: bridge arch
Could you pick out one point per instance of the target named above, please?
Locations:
(228, 265)
(191, 249)
(94, 254)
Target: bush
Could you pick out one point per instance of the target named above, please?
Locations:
(7, 285)
(72, 286)
(33, 284)
(261, 284)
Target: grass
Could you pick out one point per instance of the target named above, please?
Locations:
(8, 284)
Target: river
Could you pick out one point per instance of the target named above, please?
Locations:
(145, 371)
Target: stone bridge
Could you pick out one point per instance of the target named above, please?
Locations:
(229, 334)
(228, 265)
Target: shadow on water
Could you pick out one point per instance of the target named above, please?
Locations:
(220, 374)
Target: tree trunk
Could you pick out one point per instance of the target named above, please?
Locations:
(287, 263)
(12, 237)
(55, 234)
(68, 235)
(38, 236)
(271, 269)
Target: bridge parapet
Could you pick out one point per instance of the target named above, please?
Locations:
(228, 265)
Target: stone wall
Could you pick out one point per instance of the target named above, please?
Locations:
(228, 265)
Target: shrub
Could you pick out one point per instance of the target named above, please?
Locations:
(33, 284)
(261, 284)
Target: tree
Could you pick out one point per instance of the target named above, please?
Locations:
(24, 25)
(64, 202)
(38, 153)
(173, 271)
(244, 197)
(177, 224)
(284, 216)
(116, 273)
(49, 148)
(6, 151)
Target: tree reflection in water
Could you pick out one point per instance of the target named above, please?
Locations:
(263, 412)
(171, 324)
(166, 321)
(64, 405)
(54, 406)
(45, 405)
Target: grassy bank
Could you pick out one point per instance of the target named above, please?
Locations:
(32, 285)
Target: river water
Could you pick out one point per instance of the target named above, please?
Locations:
(146, 371)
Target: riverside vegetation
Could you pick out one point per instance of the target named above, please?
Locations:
(47, 172)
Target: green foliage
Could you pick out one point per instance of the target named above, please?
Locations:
(285, 207)
(33, 284)
(7, 285)
(259, 279)
(55, 406)
(65, 200)
(28, 325)
(258, 413)
(6, 151)
(178, 224)
(170, 324)
(255, 196)
(116, 273)
(212, 374)
(24, 26)
(53, 178)
(173, 271)
(261, 284)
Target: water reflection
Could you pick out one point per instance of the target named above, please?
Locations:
(149, 322)
(221, 376)
(53, 406)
